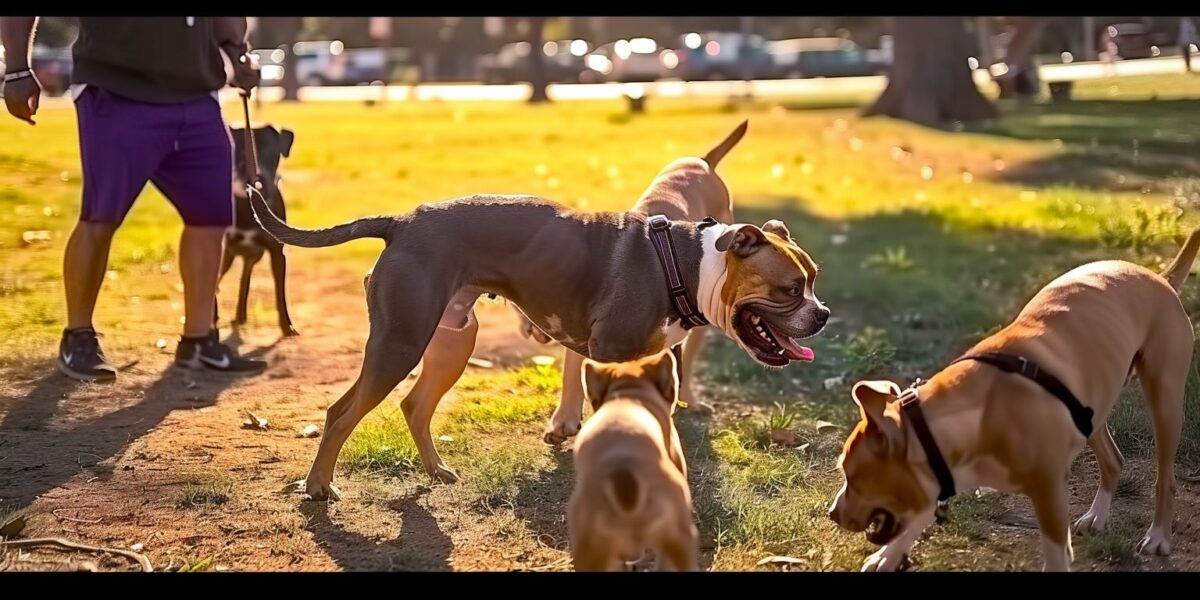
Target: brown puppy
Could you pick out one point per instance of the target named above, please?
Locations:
(631, 491)
(1089, 328)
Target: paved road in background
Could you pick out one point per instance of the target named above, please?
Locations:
(795, 89)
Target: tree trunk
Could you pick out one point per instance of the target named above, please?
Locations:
(537, 61)
(289, 30)
(930, 82)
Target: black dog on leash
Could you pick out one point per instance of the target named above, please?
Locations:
(247, 238)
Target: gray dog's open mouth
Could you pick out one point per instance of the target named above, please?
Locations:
(767, 344)
(882, 528)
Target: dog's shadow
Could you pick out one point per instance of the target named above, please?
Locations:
(420, 546)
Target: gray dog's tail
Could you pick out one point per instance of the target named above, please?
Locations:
(715, 155)
(1177, 272)
(376, 227)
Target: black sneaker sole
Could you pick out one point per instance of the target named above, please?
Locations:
(101, 377)
(199, 365)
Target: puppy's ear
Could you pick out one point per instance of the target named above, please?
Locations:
(595, 381)
(286, 137)
(873, 398)
(742, 240)
(777, 227)
(663, 370)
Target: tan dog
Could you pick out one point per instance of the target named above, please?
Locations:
(631, 491)
(1090, 328)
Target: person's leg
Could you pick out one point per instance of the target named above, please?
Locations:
(197, 177)
(120, 146)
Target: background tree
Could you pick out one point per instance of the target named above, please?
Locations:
(930, 82)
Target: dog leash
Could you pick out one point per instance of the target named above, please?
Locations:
(253, 178)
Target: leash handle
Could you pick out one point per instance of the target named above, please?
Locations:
(253, 178)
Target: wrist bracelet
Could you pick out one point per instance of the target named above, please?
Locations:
(15, 75)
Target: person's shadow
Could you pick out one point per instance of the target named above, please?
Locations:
(37, 454)
(420, 546)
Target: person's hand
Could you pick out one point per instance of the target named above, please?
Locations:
(22, 96)
(246, 73)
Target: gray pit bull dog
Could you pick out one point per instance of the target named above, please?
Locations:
(592, 281)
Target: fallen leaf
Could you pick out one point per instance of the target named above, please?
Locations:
(13, 526)
(445, 438)
(29, 238)
(821, 425)
(834, 382)
(482, 363)
(783, 437)
(254, 421)
(786, 560)
(803, 447)
(310, 431)
(161, 343)
(137, 547)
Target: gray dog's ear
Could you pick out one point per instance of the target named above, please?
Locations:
(777, 227)
(286, 137)
(742, 240)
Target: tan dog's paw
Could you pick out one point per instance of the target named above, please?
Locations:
(1090, 523)
(317, 491)
(560, 432)
(885, 560)
(444, 474)
(1155, 543)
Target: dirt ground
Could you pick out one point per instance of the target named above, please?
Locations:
(160, 462)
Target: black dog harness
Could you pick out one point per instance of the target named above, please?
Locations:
(660, 236)
(910, 405)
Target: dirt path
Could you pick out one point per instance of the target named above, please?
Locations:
(160, 458)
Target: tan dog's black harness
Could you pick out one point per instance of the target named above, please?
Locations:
(660, 236)
(910, 405)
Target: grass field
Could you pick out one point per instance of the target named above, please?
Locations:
(927, 240)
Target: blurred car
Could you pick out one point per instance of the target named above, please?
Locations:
(331, 63)
(821, 57)
(1125, 40)
(633, 60)
(717, 56)
(564, 61)
(271, 63)
(52, 67)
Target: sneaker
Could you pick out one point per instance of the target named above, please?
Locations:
(208, 352)
(80, 356)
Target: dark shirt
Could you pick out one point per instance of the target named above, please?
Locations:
(152, 59)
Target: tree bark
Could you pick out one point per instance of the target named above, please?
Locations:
(930, 82)
(289, 30)
(537, 62)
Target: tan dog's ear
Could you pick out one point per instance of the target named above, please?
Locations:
(777, 227)
(663, 371)
(873, 398)
(595, 381)
(742, 241)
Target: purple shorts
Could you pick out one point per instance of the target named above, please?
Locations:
(184, 148)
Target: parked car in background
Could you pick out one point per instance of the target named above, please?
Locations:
(718, 56)
(634, 60)
(564, 61)
(270, 61)
(1125, 41)
(331, 63)
(821, 57)
(52, 67)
